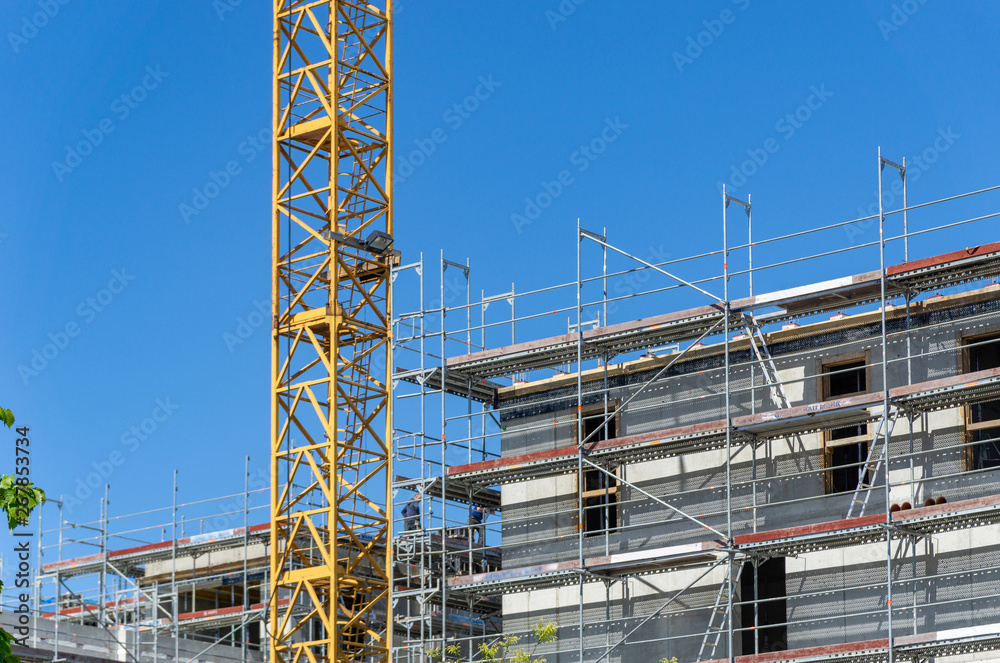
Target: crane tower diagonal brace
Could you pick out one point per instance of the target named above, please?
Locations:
(330, 365)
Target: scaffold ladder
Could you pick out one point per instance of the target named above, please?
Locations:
(873, 463)
(720, 612)
(767, 365)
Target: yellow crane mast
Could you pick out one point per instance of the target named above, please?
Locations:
(331, 259)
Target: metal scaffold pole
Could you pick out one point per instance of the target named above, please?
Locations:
(175, 595)
(730, 589)
(246, 553)
(654, 415)
(444, 448)
(884, 426)
(581, 482)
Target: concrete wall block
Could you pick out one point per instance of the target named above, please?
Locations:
(836, 596)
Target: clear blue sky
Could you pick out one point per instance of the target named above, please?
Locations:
(197, 89)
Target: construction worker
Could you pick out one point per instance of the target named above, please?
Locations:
(411, 512)
(477, 527)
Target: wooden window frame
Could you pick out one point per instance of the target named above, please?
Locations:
(841, 360)
(611, 492)
(593, 410)
(600, 492)
(822, 366)
(845, 441)
(965, 366)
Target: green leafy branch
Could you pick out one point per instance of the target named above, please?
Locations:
(6, 651)
(504, 650)
(17, 499)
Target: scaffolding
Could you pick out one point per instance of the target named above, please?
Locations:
(460, 385)
(190, 581)
(186, 582)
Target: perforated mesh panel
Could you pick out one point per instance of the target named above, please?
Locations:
(834, 596)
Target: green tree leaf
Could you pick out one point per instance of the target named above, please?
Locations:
(10, 501)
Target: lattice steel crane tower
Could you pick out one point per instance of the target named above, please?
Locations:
(331, 258)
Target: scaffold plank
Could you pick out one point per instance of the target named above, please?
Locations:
(817, 536)
(974, 512)
(952, 642)
(772, 424)
(458, 624)
(461, 493)
(630, 563)
(971, 264)
(783, 541)
(520, 579)
(864, 650)
(150, 552)
(456, 383)
(481, 604)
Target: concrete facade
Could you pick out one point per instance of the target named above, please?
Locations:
(81, 643)
(180, 599)
(831, 596)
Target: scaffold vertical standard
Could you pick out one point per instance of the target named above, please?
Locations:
(796, 457)
(185, 581)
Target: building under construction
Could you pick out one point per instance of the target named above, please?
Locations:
(804, 473)
(783, 448)
(807, 473)
(184, 582)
